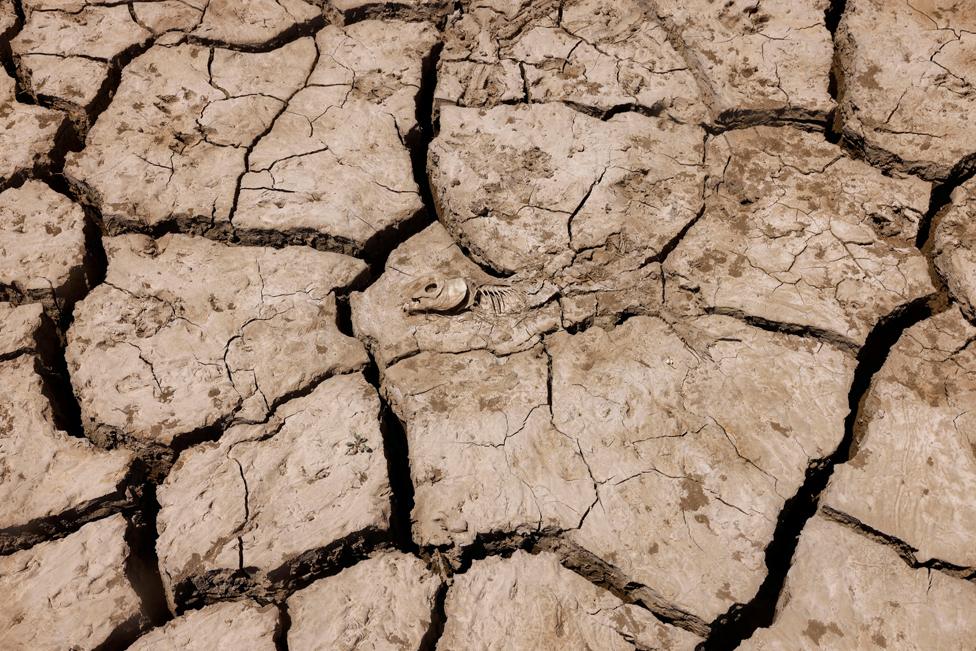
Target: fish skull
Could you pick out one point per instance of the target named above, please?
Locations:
(437, 294)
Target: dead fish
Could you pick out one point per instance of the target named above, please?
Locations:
(443, 295)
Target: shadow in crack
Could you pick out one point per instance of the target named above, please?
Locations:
(742, 620)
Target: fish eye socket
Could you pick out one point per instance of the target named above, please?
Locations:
(431, 287)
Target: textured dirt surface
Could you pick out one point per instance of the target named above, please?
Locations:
(695, 434)
(798, 233)
(227, 625)
(312, 478)
(487, 324)
(953, 248)
(43, 255)
(384, 602)
(531, 602)
(836, 571)
(592, 55)
(756, 62)
(159, 350)
(913, 471)
(71, 589)
(40, 464)
(912, 116)
(28, 136)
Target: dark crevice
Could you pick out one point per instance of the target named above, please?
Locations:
(907, 553)
(224, 232)
(647, 111)
(798, 118)
(656, 110)
(419, 138)
(284, 626)
(939, 200)
(156, 458)
(14, 354)
(742, 620)
(344, 314)
(963, 170)
(276, 585)
(579, 206)
(287, 36)
(435, 12)
(51, 366)
(458, 560)
(499, 543)
(832, 16)
(662, 255)
(247, 511)
(438, 619)
(6, 56)
(417, 141)
(396, 449)
(276, 239)
(374, 250)
(65, 408)
(124, 634)
(606, 321)
(108, 88)
(96, 260)
(49, 164)
(859, 148)
(65, 523)
(832, 133)
(143, 570)
(653, 111)
(401, 485)
(812, 332)
(604, 575)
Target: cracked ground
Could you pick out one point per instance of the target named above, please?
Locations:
(487, 325)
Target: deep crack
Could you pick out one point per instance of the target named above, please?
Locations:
(742, 620)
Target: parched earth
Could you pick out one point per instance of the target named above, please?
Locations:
(487, 324)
